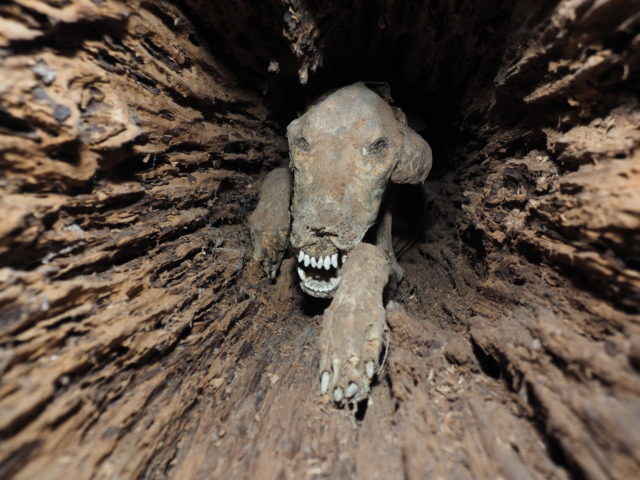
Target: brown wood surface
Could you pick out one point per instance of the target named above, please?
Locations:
(138, 340)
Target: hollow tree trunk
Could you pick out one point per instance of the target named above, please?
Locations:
(137, 338)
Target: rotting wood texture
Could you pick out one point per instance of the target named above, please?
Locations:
(138, 340)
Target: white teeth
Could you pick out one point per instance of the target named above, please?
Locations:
(318, 285)
(321, 262)
(302, 275)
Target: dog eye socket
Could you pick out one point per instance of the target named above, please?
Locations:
(379, 146)
(301, 143)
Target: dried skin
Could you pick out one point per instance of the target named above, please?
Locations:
(344, 151)
(146, 351)
(354, 324)
(270, 222)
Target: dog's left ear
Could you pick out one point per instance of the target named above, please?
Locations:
(414, 157)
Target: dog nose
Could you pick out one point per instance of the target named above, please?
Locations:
(322, 231)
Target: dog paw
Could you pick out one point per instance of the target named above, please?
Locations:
(270, 222)
(353, 328)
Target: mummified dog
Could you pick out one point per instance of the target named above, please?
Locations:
(344, 152)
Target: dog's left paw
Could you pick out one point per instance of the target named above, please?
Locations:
(353, 328)
(350, 345)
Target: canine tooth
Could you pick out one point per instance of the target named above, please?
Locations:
(302, 275)
(334, 260)
(300, 256)
(327, 262)
(313, 262)
(306, 260)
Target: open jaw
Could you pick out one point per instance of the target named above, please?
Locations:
(320, 276)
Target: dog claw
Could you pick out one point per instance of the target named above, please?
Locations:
(324, 382)
(338, 395)
(370, 368)
(352, 389)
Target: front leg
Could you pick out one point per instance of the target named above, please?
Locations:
(270, 222)
(353, 326)
(384, 234)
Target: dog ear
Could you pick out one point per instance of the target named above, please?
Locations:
(414, 157)
(382, 89)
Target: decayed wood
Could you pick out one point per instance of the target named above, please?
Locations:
(139, 340)
(116, 137)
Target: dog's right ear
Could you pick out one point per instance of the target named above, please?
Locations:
(382, 89)
(414, 158)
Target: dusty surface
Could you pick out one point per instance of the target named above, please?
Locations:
(345, 152)
(270, 222)
(139, 341)
(354, 326)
